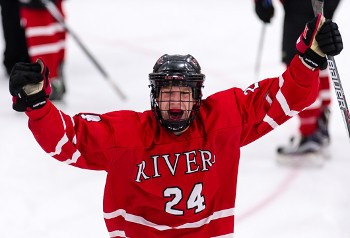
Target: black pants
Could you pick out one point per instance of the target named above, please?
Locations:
(14, 37)
(297, 14)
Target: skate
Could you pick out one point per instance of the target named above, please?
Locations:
(322, 123)
(303, 145)
(58, 89)
(308, 150)
(58, 86)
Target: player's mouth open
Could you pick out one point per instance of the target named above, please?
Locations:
(175, 114)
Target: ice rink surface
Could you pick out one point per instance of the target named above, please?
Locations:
(40, 197)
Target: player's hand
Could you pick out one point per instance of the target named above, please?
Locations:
(329, 39)
(320, 38)
(265, 10)
(29, 86)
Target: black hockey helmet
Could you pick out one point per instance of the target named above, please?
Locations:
(176, 70)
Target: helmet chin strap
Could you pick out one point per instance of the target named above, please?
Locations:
(180, 132)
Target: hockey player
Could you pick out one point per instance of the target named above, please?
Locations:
(45, 39)
(313, 127)
(15, 49)
(172, 171)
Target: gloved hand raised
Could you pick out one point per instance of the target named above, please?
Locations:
(29, 85)
(264, 9)
(320, 38)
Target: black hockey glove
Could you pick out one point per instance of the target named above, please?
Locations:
(29, 86)
(265, 10)
(319, 38)
(329, 39)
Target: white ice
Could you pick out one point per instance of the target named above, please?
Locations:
(40, 197)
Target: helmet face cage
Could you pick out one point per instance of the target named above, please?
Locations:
(176, 71)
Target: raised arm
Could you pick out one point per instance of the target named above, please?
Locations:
(273, 101)
(83, 140)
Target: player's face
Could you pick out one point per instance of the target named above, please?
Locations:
(175, 102)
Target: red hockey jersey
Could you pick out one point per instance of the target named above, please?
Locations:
(46, 38)
(163, 185)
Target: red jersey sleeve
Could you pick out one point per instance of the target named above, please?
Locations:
(84, 141)
(269, 103)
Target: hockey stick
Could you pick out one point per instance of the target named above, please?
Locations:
(53, 10)
(317, 6)
(260, 49)
(268, 3)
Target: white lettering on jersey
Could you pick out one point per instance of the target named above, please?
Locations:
(251, 88)
(91, 117)
(206, 159)
(141, 172)
(172, 168)
(194, 161)
(195, 199)
(189, 161)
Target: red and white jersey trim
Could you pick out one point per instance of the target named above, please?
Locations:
(47, 48)
(317, 104)
(268, 99)
(122, 234)
(117, 234)
(225, 236)
(62, 141)
(325, 95)
(270, 121)
(74, 158)
(49, 30)
(59, 146)
(140, 220)
(58, 149)
(283, 102)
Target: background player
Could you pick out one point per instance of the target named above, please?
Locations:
(15, 49)
(313, 127)
(46, 38)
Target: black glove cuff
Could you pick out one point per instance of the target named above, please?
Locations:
(20, 105)
(314, 60)
(37, 100)
(34, 101)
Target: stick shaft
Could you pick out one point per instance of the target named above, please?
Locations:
(260, 50)
(317, 6)
(51, 7)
